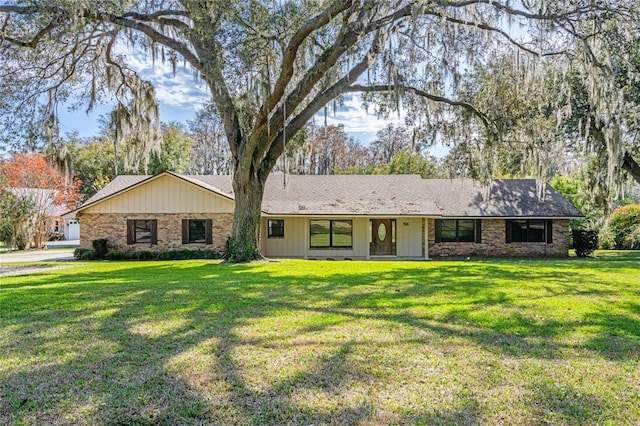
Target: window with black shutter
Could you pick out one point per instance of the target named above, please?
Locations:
(197, 231)
(142, 231)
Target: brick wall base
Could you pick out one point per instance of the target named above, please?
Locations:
(113, 227)
(493, 243)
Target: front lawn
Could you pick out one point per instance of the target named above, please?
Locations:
(321, 342)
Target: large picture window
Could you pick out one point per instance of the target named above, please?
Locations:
(275, 228)
(529, 231)
(458, 231)
(325, 233)
(197, 231)
(142, 231)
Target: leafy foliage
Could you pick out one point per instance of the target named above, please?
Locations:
(210, 154)
(31, 178)
(16, 217)
(94, 163)
(100, 247)
(585, 241)
(84, 254)
(174, 153)
(623, 228)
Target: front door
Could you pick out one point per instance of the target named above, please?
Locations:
(383, 238)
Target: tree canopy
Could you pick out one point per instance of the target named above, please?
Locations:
(271, 65)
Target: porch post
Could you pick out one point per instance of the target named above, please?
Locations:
(368, 237)
(306, 237)
(426, 238)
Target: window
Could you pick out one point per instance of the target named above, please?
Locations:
(275, 228)
(529, 231)
(197, 231)
(330, 233)
(458, 231)
(142, 231)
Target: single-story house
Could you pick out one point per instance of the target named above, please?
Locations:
(335, 216)
(51, 212)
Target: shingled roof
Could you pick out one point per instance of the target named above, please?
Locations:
(385, 195)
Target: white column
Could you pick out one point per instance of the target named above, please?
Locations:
(306, 236)
(426, 238)
(368, 238)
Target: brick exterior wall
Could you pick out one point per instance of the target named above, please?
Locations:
(493, 243)
(113, 227)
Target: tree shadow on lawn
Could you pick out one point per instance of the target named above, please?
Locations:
(120, 370)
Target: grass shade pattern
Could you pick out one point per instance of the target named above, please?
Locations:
(322, 342)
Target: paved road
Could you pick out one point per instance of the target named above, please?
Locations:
(58, 250)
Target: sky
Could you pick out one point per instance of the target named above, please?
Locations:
(181, 95)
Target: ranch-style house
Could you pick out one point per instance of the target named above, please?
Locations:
(336, 216)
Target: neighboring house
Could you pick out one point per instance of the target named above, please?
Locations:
(51, 213)
(352, 217)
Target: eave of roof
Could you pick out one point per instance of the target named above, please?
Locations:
(379, 196)
(97, 199)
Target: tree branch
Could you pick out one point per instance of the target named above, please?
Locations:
(154, 35)
(490, 28)
(272, 151)
(386, 88)
(631, 166)
(36, 39)
(291, 52)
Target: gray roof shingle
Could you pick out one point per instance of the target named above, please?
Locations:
(345, 195)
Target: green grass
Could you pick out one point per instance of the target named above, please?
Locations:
(315, 342)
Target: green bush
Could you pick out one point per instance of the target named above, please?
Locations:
(100, 247)
(624, 227)
(115, 255)
(141, 255)
(585, 241)
(632, 239)
(82, 253)
(162, 255)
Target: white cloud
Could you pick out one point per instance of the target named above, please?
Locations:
(355, 118)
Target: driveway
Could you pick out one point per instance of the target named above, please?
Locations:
(36, 256)
(56, 250)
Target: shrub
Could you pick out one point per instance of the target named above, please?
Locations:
(115, 255)
(632, 239)
(100, 247)
(82, 253)
(162, 255)
(605, 239)
(141, 255)
(623, 224)
(585, 241)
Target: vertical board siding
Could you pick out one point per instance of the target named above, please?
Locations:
(294, 243)
(166, 194)
(409, 237)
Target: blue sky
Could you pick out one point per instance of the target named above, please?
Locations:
(181, 95)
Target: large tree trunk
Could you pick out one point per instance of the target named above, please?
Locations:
(248, 187)
(631, 166)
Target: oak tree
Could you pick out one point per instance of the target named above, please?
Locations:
(271, 65)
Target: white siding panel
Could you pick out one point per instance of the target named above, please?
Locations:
(166, 194)
(409, 237)
(294, 243)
